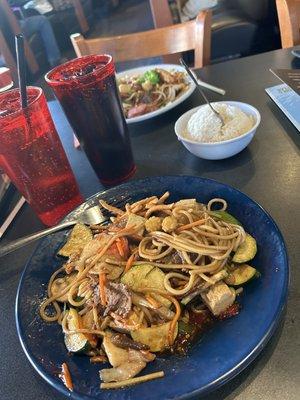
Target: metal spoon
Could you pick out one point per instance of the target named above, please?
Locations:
(90, 216)
(192, 76)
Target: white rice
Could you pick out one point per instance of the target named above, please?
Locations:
(204, 125)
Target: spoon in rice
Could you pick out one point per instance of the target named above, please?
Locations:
(192, 76)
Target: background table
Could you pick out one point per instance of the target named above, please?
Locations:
(268, 171)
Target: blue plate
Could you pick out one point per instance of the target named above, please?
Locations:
(222, 352)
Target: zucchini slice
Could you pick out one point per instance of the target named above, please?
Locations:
(77, 239)
(246, 251)
(146, 276)
(154, 336)
(241, 274)
(75, 342)
(225, 216)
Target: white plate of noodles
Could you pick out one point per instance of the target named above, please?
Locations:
(152, 90)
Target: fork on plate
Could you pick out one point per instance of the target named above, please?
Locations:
(90, 216)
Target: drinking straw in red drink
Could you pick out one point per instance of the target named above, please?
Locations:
(19, 42)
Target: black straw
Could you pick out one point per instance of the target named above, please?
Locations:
(19, 42)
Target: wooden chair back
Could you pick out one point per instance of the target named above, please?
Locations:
(15, 29)
(193, 35)
(289, 22)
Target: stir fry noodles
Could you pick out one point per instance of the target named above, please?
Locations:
(141, 94)
(147, 282)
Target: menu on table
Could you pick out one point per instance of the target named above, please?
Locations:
(288, 101)
(289, 76)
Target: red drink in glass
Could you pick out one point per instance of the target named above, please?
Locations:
(86, 88)
(32, 155)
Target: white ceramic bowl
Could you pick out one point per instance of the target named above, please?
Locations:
(217, 150)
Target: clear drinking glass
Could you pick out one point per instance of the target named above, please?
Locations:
(33, 157)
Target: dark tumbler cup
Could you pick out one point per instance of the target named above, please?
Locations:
(86, 88)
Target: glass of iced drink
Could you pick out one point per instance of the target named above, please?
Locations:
(33, 157)
(86, 88)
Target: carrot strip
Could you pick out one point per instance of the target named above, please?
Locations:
(66, 376)
(102, 282)
(120, 247)
(129, 263)
(191, 225)
(152, 301)
(174, 321)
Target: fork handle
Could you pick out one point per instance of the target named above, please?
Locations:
(16, 244)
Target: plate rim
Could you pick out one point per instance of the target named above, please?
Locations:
(212, 386)
(295, 54)
(167, 107)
